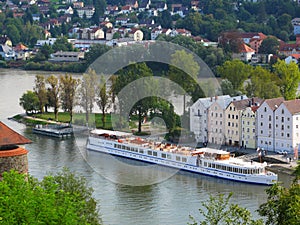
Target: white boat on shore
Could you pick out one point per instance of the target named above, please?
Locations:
(207, 161)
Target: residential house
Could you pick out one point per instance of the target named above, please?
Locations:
(4, 40)
(67, 56)
(111, 10)
(144, 5)
(255, 41)
(265, 123)
(36, 17)
(95, 33)
(207, 118)
(49, 41)
(292, 58)
(78, 4)
(296, 25)
(133, 3)
(136, 34)
(288, 49)
(287, 126)
(245, 53)
(122, 21)
(22, 52)
(88, 11)
(7, 52)
(126, 9)
(160, 6)
(157, 31)
(240, 122)
(261, 58)
(182, 32)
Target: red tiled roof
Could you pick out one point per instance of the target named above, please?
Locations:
(245, 48)
(296, 56)
(10, 137)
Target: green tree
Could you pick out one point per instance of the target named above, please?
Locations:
(282, 206)
(125, 78)
(262, 84)
(227, 88)
(63, 198)
(68, 86)
(53, 94)
(13, 33)
(41, 91)
(218, 211)
(95, 52)
(184, 71)
(236, 72)
(103, 99)
(30, 102)
(270, 45)
(62, 44)
(87, 92)
(289, 75)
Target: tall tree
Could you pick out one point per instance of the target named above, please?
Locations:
(282, 206)
(263, 84)
(184, 71)
(40, 90)
(219, 211)
(269, 46)
(87, 92)
(68, 86)
(30, 102)
(125, 79)
(289, 75)
(53, 94)
(63, 198)
(236, 72)
(103, 99)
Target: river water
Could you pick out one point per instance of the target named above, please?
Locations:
(169, 201)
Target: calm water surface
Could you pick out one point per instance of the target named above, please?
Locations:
(170, 201)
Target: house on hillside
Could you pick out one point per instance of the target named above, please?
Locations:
(288, 49)
(244, 53)
(292, 58)
(67, 56)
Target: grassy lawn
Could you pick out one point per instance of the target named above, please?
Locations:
(95, 119)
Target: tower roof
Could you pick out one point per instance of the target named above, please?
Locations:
(10, 137)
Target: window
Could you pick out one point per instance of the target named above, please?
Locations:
(229, 124)
(296, 126)
(236, 117)
(183, 159)
(232, 116)
(221, 115)
(216, 114)
(232, 124)
(270, 126)
(216, 122)
(282, 111)
(228, 116)
(288, 119)
(230, 108)
(248, 130)
(261, 124)
(288, 135)
(253, 130)
(276, 117)
(282, 127)
(149, 152)
(216, 130)
(261, 131)
(270, 118)
(220, 122)
(212, 114)
(265, 109)
(282, 134)
(177, 158)
(154, 153)
(261, 116)
(282, 119)
(163, 155)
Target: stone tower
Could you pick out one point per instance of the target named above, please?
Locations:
(12, 155)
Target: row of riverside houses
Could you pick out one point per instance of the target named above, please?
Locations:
(272, 124)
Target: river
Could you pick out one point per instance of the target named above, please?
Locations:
(169, 201)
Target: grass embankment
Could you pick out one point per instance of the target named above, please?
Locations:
(95, 120)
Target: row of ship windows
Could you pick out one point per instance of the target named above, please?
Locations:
(232, 169)
(149, 152)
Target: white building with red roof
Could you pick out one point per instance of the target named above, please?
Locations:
(245, 53)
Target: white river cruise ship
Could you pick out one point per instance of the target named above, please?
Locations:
(207, 161)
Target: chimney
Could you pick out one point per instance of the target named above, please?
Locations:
(211, 99)
(216, 97)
